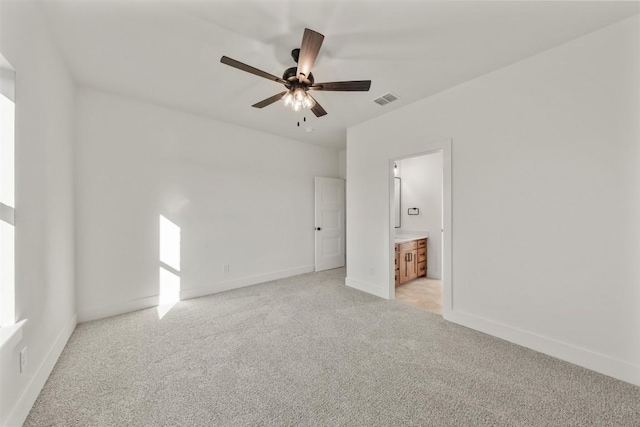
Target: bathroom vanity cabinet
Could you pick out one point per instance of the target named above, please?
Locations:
(411, 260)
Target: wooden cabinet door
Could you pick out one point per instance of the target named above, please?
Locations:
(404, 267)
(414, 264)
(408, 265)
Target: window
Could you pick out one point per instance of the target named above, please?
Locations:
(7, 193)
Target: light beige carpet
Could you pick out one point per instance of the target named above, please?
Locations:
(309, 351)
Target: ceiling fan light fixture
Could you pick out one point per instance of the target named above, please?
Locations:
(288, 99)
(298, 99)
(298, 80)
(308, 101)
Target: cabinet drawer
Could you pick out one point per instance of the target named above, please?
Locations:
(422, 268)
(422, 254)
(408, 246)
(422, 243)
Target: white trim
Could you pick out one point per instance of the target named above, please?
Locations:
(152, 301)
(245, 281)
(28, 398)
(10, 335)
(570, 353)
(370, 288)
(447, 214)
(116, 309)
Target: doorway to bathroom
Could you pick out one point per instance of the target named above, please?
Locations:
(419, 211)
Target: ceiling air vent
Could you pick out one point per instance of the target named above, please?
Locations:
(385, 99)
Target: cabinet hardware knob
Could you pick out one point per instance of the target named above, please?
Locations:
(318, 228)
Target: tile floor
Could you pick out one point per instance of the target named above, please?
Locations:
(424, 293)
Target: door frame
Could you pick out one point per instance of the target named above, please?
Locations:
(447, 250)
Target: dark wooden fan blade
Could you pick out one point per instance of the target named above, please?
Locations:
(352, 86)
(269, 100)
(249, 69)
(309, 48)
(317, 108)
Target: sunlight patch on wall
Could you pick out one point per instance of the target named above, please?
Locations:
(169, 243)
(169, 291)
(169, 275)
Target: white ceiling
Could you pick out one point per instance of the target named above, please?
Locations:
(168, 52)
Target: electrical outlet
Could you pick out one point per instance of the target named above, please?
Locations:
(225, 268)
(23, 360)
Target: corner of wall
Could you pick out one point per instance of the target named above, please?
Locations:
(34, 387)
(370, 288)
(342, 159)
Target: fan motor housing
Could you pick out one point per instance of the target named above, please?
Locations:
(291, 74)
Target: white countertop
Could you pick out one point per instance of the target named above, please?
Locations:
(409, 237)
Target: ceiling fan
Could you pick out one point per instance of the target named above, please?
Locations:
(299, 80)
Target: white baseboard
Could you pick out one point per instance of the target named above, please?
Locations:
(244, 281)
(152, 301)
(115, 309)
(601, 363)
(378, 291)
(28, 398)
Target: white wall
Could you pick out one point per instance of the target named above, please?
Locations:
(546, 198)
(44, 206)
(422, 188)
(343, 164)
(240, 197)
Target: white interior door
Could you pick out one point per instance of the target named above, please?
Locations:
(330, 212)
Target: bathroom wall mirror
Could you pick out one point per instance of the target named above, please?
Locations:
(397, 199)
